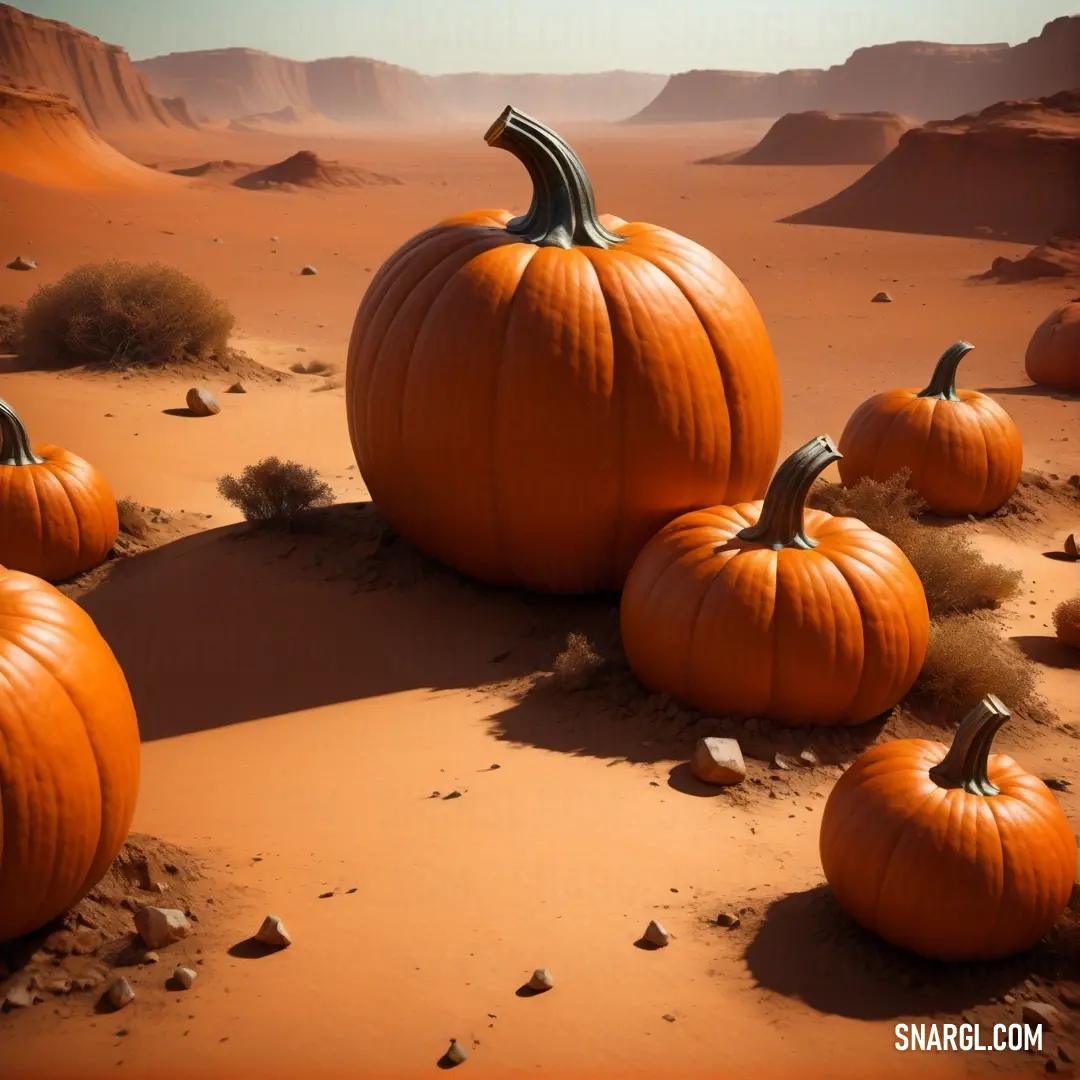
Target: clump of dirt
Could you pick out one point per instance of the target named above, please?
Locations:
(1039, 497)
(78, 953)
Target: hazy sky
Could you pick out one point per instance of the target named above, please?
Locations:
(664, 36)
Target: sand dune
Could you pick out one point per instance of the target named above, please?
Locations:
(913, 78)
(823, 138)
(305, 169)
(1012, 170)
(1059, 257)
(289, 120)
(97, 77)
(44, 139)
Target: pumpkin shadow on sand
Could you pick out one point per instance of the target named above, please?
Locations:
(807, 948)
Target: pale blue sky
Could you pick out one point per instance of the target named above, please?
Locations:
(664, 36)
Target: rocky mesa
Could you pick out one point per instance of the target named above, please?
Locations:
(912, 78)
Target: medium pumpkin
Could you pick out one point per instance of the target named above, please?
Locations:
(962, 449)
(57, 514)
(1053, 354)
(530, 398)
(771, 610)
(947, 851)
(69, 754)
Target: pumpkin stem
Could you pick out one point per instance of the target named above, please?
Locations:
(781, 522)
(14, 442)
(943, 382)
(563, 210)
(965, 765)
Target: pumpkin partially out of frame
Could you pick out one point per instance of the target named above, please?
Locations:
(1053, 354)
(69, 754)
(57, 514)
(949, 852)
(962, 449)
(530, 398)
(772, 610)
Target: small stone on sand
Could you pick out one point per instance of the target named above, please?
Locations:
(185, 977)
(457, 1053)
(201, 402)
(273, 932)
(541, 980)
(20, 262)
(881, 298)
(718, 761)
(309, 271)
(120, 994)
(656, 935)
(159, 927)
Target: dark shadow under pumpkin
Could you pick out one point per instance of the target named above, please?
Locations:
(807, 948)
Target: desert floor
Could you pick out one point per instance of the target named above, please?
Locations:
(296, 726)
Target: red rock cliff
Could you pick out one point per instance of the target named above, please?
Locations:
(99, 78)
(914, 78)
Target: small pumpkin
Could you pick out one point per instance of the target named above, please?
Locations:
(530, 398)
(57, 514)
(1053, 354)
(949, 852)
(772, 610)
(961, 447)
(69, 754)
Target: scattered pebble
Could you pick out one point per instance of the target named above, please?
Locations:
(120, 994)
(149, 958)
(541, 980)
(1038, 1012)
(881, 298)
(273, 932)
(325, 895)
(201, 402)
(783, 762)
(457, 1053)
(275, 239)
(1071, 548)
(309, 271)
(728, 919)
(159, 927)
(236, 388)
(656, 935)
(809, 758)
(453, 795)
(668, 1017)
(185, 977)
(718, 761)
(20, 262)
(19, 997)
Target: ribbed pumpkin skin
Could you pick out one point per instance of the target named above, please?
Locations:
(58, 518)
(1053, 354)
(939, 871)
(69, 754)
(965, 456)
(833, 635)
(532, 415)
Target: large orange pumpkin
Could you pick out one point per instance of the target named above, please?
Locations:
(530, 398)
(57, 514)
(1053, 354)
(769, 609)
(69, 754)
(961, 447)
(947, 851)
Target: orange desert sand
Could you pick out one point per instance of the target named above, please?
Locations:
(299, 711)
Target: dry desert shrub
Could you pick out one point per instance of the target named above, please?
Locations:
(967, 659)
(122, 315)
(1067, 622)
(11, 321)
(955, 576)
(132, 519)
(576, 665)
(274, 491)
(312, 367)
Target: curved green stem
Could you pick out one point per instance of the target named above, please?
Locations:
(14, 442)
(781, 521)
(943, 382)
(966, 764)
(563, 209)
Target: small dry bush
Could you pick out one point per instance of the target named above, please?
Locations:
(1067, 622)
(11, 322)
(312, 367)
(955, 576)
(576, 665)
(274, 491)
(967, 659)
(122, 315)
(132, 519)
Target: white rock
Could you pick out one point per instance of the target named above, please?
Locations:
(457, 1053)
(120, 994)
(1038, 1012)
(541, 980)
(201, 402)
(159, 927)
(273, 932)
(185, 976)
(718, 761)
(656, 935)
(19, 997)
